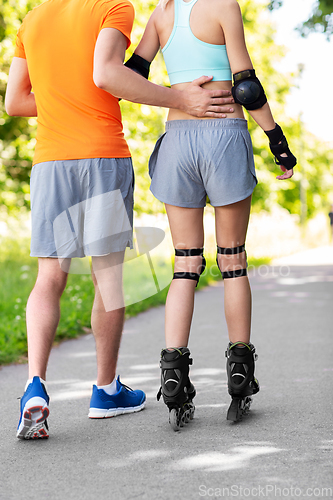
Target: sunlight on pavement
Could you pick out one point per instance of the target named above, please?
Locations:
(72, 390)
(69, 395)
(144, 367)
(133, 380)
(82, 354)
(313, 257)
(288, 294)
(64, 381)
(304, 280)
(214, 461)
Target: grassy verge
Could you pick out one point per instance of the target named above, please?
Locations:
(146, 283)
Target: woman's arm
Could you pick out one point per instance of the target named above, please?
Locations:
(149, 43)
(232, 24)
(146, 50)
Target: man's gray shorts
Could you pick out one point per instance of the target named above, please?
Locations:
(194, 159)
(81, 207)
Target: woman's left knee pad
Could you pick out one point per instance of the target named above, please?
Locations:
(236, 273)
(191, 252)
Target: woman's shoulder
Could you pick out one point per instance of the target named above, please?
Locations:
(163, 12)
(226, 9)
(220, 7)
(226, 4)
(165, 8)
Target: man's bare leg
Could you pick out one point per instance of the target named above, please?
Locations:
(43, 314)
(107, 318)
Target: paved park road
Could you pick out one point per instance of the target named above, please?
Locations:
(283, 449)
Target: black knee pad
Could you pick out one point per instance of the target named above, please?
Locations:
(238, 273)
(192, 252)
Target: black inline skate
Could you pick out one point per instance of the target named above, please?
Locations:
(176, 387)
(242, 383)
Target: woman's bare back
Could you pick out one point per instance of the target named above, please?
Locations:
(206, 27)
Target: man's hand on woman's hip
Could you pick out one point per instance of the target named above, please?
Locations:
(204, 102)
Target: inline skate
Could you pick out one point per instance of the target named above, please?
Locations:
(241, 381)
(176, 388)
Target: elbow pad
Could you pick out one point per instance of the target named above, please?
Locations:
(139, 65)
(248, 91)
(279, 145)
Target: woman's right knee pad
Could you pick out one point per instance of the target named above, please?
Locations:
(191, 252)
(236, 273)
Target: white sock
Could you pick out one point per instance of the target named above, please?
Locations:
(30, 381)
(110, 388)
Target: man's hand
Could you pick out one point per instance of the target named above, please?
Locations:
(287, 173)
(201, 102)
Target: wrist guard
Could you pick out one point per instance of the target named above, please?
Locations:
(139, 65)
(248, 91)
(279, 145)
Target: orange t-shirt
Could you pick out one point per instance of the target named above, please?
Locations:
(76, 119)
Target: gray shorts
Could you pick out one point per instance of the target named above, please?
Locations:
(194, 159)
(81, 207)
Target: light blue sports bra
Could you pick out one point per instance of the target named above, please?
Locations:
(186, 57)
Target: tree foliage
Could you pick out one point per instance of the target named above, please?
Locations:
(143, 124)
(17, 135)
(320, 20)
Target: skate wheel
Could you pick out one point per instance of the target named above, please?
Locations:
(190, 411)
(174, 419)
(247, 405)
(186, 417)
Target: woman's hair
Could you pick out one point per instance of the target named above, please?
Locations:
(163, 3)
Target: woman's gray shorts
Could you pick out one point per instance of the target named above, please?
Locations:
(81, 207)
(194, 159)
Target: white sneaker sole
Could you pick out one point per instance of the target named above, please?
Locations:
(33, 423)
(113, 412)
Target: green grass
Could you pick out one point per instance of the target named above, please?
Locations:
(18, 271)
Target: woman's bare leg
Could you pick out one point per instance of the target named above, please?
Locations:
(186, 225)
(231, 227)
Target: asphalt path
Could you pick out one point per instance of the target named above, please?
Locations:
(282, 449)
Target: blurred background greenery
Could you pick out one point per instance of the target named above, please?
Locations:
(308, 194)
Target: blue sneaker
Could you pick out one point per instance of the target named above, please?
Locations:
(34, 412)
(102, 405)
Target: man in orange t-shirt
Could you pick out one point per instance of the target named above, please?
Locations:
(82, 179)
